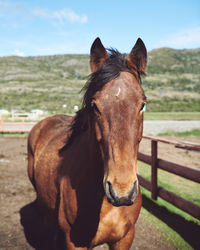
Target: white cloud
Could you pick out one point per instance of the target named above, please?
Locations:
(43, 13)
(8, 8)
(184, 38)
(69, 15)
(61, 15)
(19, 53)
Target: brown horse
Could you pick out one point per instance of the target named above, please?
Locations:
(84, 168)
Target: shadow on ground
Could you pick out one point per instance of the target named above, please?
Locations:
(188, 230)
(37, 235)
(41, 237)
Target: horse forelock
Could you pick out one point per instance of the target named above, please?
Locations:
(110, 70)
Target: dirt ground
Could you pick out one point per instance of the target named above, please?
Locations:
(20, 225)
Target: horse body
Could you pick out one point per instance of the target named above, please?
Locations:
(84, 168)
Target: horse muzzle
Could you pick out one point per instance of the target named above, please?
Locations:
(116, 200)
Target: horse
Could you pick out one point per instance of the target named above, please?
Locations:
(84, 168)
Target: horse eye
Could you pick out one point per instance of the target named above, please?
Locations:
(143, 107)
(95, 108)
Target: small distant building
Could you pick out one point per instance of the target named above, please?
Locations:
(76, 108)
(36, 113)
(4, 112)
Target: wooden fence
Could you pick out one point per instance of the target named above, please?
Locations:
(155, 163)
(21, 125)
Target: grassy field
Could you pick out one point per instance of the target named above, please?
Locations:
(172, 116)
(192, 133)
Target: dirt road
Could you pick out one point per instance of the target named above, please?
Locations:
(20, 226)
(156, 127)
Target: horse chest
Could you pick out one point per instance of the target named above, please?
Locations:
(113, 225)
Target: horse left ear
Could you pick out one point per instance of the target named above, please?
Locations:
(98, 55)
(137, 59)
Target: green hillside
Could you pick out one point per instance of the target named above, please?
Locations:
(48, 82)
(174, 61)
(173, 80)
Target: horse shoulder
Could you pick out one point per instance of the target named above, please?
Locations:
(45, 140)
(43, 131)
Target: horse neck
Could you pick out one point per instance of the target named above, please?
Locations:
(93, 151)
(88, 155)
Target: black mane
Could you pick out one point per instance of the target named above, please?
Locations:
(110, 70)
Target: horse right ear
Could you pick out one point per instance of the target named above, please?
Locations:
(98, 55)
(137, 59)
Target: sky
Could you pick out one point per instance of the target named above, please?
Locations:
(46, 27)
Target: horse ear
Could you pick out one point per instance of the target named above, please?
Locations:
(137, 59)
(98, 55)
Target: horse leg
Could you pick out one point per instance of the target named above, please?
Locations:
(125, 243)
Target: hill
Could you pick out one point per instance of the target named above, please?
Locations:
(173, 80)
(48, 82)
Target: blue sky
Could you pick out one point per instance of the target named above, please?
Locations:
(45, 27)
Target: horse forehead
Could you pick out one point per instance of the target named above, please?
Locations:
(131, 82)
(122, 88)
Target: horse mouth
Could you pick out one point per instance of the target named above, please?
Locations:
(120, 201)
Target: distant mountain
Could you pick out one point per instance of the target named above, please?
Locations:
(48, 82)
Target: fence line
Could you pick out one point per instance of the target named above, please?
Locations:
(155, 163)
(13, 127)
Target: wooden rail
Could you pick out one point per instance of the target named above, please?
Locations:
(13, 127)
(155, 163)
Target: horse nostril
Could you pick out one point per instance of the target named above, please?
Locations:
(134, 191)
(111, 191)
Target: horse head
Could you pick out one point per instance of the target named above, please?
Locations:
(115, 100)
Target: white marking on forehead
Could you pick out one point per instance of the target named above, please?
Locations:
(119, 90)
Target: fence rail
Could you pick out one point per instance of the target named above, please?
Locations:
(156, 163)
(13, 127)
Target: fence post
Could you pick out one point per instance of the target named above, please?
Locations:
(154, 170)
(23, 125)
(2, 124)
